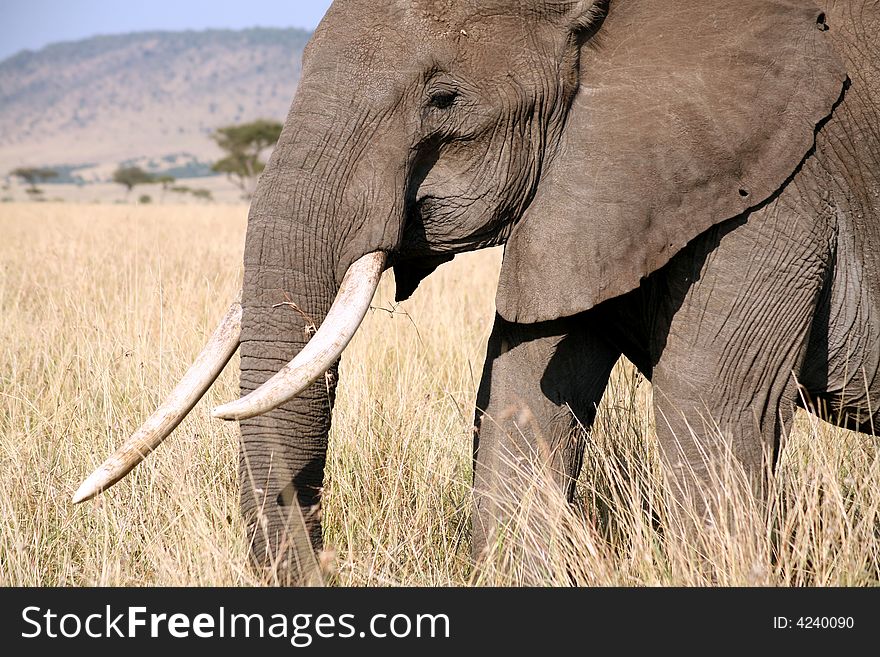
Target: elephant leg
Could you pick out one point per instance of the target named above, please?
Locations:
(540, 387)
(841, 379)
(739, 304)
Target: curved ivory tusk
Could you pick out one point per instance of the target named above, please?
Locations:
(195, 383)
(342, 322)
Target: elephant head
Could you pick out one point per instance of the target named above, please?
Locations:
(594, 139)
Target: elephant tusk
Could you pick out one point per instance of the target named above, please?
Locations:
(195, 383)
(342, 322)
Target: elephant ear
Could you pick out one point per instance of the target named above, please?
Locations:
(688, 114)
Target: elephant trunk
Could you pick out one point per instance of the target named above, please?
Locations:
(311, 224)
(287, 292)
(285, 416)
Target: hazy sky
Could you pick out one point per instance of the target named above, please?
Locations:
(33, 24)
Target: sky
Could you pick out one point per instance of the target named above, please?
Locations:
(32, 24)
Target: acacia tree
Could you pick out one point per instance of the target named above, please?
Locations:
(244, 145)
(166, 181)
(129, 177)
(32, 176)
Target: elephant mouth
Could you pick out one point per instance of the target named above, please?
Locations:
(441, 226)
(326, 345)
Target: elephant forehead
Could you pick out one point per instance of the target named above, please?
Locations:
(453, 15)
(414, 19)
(438, 16)
(379, 50)
(495, 23)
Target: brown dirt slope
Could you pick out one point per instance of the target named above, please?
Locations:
(110, 99)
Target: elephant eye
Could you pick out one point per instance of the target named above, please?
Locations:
(442, 96)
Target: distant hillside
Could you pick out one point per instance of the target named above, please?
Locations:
(152, 97)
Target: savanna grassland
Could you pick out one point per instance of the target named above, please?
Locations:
(103, 308)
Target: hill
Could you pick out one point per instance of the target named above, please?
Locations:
(150, 98)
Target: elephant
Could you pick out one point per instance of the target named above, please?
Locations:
(692, 185)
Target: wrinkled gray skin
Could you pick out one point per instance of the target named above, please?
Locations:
(693, 185)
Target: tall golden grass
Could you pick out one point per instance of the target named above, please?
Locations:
(103, 308)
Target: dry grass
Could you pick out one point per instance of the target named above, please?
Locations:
(103, 308)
